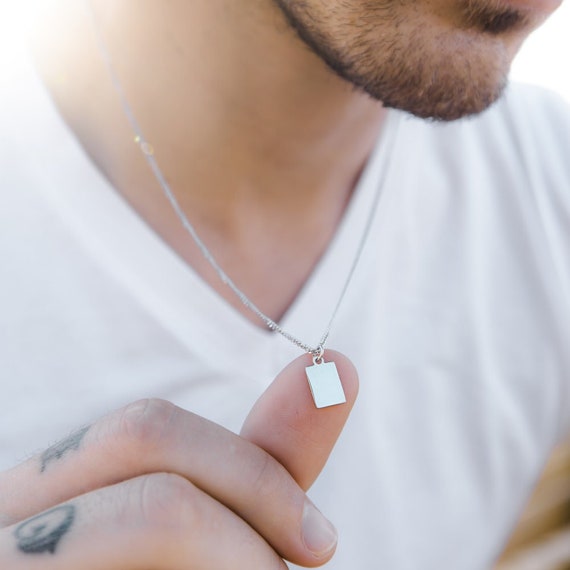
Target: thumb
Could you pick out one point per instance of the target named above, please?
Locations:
(285, 422)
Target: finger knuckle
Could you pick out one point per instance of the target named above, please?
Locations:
(143, 426)
(268, 477)
(165, 501)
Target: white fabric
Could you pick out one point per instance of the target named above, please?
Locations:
(457, 320)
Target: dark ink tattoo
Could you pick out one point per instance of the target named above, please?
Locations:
(57, 451)
(43, 532)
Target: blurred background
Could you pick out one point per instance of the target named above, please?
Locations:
(544, 57)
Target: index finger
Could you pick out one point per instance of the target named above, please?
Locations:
(286, 423)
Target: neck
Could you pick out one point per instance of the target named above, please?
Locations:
(273, 134)
(234, 85)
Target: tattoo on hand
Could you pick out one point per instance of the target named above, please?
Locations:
(57, 451)
(43, 532)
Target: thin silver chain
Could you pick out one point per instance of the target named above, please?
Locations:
(148, 152)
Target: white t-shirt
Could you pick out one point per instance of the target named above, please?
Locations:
(457, 319)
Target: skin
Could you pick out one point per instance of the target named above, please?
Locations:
(277, 139)
(154, 486)
(262, 114)
(440, 59)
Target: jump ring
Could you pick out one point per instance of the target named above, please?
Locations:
(318, 355)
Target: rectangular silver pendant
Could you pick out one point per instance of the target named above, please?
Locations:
(325, 385)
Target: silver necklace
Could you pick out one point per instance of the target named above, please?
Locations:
(323, 377)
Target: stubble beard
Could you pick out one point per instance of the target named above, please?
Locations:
(385, 49)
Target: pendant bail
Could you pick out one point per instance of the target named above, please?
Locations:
(318, 354)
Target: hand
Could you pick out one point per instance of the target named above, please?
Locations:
(155, 487)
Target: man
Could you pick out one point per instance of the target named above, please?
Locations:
(285, 130)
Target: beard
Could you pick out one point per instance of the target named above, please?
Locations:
(411, 59)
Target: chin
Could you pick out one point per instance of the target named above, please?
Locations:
(457, 75)
(458, 79)
(435, 64)
(451, 106)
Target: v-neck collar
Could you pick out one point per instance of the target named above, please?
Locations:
(165, 285)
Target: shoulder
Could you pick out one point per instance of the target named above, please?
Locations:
(530, 103)
(537, 118)
(523, 140)
(524, 113)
